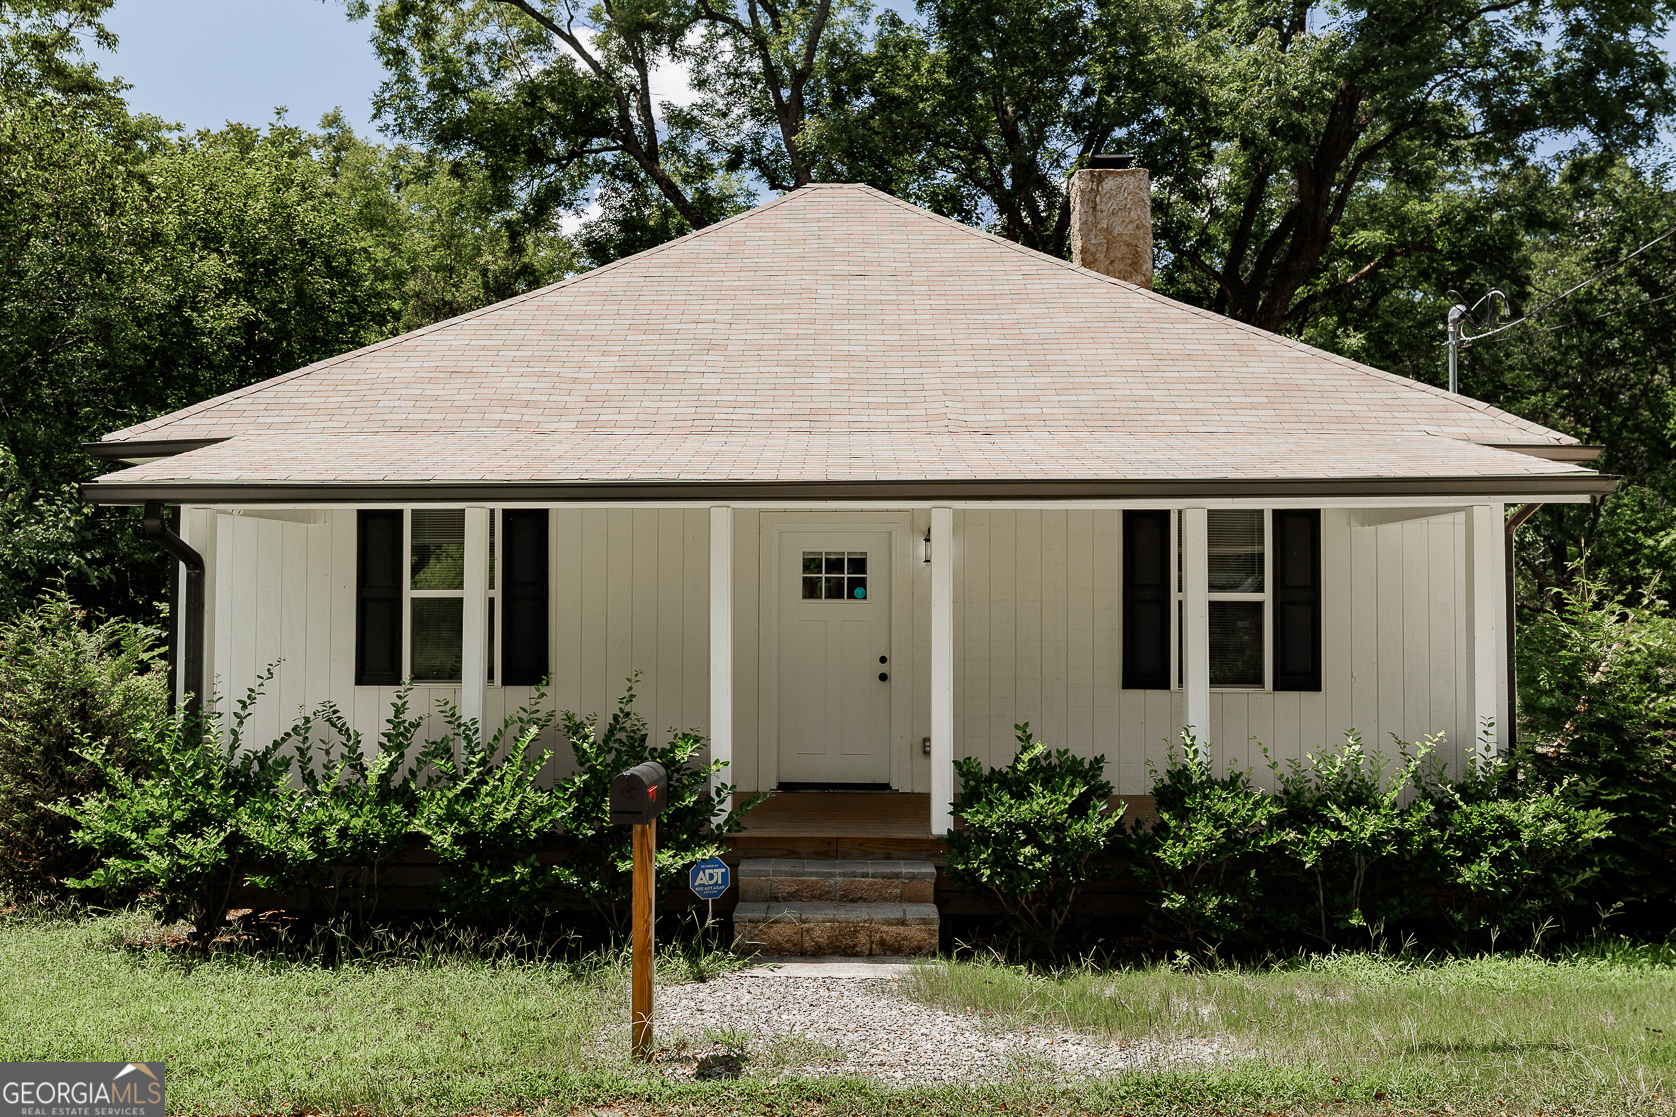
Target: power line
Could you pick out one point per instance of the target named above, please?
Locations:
(1592, 318)
(1537, 313)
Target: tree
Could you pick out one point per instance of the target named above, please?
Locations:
(549, 100)
(1271, 127)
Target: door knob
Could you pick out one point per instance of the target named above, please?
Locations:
(883, 677)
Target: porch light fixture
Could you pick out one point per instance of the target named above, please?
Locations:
(925, 548)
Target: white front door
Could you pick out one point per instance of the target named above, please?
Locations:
(834, 657)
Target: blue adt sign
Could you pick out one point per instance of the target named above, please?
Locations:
(708, 879)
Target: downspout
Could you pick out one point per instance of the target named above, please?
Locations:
(193, 658)
(1514, 523)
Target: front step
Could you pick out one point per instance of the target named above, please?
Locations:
(790, 881)
(850, 908)
(818, 929)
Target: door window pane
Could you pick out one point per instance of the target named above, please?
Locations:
(1236, 643)
(439, 548)
(438, 639)
(1234, 539)
(834, 576)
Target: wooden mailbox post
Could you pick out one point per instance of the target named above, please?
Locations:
(638, 796)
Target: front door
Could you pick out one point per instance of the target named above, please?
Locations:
(834, 658)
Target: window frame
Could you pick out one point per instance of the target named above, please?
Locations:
(1177, 647)
(409, 594)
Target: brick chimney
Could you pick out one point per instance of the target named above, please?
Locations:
(1111, 219)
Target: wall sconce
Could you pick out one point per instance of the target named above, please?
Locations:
(925, 547)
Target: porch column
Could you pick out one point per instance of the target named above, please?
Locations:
(721, 636)
(474, 656)
(942, 669)
(1486, 598)
(1195, 626)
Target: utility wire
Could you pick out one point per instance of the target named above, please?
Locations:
(1537, 313)
(1592, 318)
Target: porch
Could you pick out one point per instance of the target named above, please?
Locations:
(975, 617)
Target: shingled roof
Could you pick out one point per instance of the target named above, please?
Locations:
(837, 341)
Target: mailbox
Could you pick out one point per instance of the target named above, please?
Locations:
(639, 795)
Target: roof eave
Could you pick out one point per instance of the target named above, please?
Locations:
(140, 451)
(1517, 486)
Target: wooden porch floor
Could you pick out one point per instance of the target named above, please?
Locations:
(885, 825)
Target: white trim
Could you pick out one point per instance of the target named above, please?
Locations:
(1195, 590)
(721, 638)
(474, 627)
(1452, 502)
(942, 669)
(1486, 597)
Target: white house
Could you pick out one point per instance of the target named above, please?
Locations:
(855, 489)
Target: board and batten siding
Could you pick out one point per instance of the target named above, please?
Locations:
(630, 592)
(1038, 619)
(1037, 624)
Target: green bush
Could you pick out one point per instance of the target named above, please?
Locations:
(202, 813)
(1032, 833)
(1206, 852)
(350, 819)
(1357, 850)
(313, 812)
(67, 685)
(1597, 699)
(600, 863)
(1515, 851)
(488, 818)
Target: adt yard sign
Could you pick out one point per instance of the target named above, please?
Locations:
(708, 879)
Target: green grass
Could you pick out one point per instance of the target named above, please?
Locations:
(1593, 1032)
(448, 1025)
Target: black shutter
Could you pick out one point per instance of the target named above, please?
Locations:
(1297, 599)
(378, 599)
(523, 597)
(1147, 596)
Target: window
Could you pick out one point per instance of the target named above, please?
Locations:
(419, 556)
(1236, 555)
(436, 593)
(835, 576)
(1263, 574)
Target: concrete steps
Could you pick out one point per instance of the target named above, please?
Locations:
(849, 908)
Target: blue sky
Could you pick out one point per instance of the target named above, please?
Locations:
(204, 62)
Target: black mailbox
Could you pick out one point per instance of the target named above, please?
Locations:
(639, 794)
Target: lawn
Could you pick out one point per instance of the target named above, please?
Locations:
(446, 1026)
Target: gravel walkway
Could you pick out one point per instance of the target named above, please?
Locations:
(805, 1026)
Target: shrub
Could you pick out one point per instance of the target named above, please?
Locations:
(488, 819)
(353, 815)
(1516, 852)
(1357, 849)
(601, 861)
(67, 685)
(185, 835)
(1597, 694)
(1032, 832)
(1204, 851)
